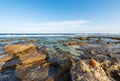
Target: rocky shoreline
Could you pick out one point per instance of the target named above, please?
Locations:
(94, 58)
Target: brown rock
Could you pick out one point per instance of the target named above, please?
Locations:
(91, 51)
(32, 40)
(82, 38)
(74, 43)
(99, 41)
(5, 58)
(50, 72)
(26, 55)
(87, 73)
(5, 40)
(18, 48)
(112, 70)
(88, 38)
(112, 55)
(93, 62)
(50, 79)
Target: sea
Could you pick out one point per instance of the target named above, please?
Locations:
(56, 34)
(49, 40)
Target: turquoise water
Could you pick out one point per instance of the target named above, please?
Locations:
(50, 41)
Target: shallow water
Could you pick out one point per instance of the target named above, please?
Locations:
(48, 40)
(57, 48)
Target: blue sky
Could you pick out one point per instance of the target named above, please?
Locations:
(60, 16)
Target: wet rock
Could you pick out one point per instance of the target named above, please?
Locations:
(22, 39)
(83, 38)
(91, 51)
(5, 40)
(74, 43)
(116, 38)
(71, 43)
(42, 49)
(99, 41)
(118, 42)
(112, 55)
(88, 38)
(34, 40)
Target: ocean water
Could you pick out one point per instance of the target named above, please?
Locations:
(54, 43)
(49, 40)
(56, 34)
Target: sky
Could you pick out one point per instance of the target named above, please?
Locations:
(59, 16)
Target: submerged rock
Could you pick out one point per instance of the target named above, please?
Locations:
(74, 43)
(33, 40)
(5, 40)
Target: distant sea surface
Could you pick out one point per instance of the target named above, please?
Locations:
(55, 34)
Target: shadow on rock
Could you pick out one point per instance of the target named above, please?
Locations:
(7, 72)
(115, 75)
(60, 72)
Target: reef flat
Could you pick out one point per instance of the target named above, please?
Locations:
(60, 58)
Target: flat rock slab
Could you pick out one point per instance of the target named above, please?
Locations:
(19, 54)
(17, 48)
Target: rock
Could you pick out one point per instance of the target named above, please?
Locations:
(30, 59)
(73, 63)
(49, 79)
(85, 72)
(51, 72)
(118, 42)
(34, 40)
(88, 38)
(93, 62)
(26, 55)
(99, 41)
(5, 40)
(42, 49)
(112, 70)
(74, 43)
(5, 57)
(82, 38)
(18, 48)
(63, 73)
(91, 51)
(116, 74)
(71, 43)
(90, 76)
(112, 55)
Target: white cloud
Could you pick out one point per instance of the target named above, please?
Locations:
(74, 26)
(62, 26)
(65, 23)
